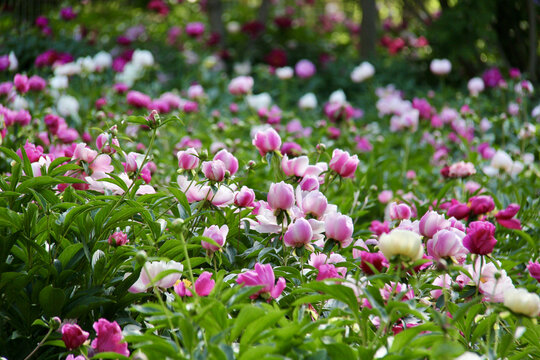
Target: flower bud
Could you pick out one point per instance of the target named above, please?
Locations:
(281, 196)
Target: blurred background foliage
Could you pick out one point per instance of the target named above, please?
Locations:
(396, 35)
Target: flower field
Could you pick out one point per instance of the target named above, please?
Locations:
(264, 192)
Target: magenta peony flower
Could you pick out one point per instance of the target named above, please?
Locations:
(480, 237)
(203, 285)
(109, 338)
(506, 217)
(534, 270)
(245, 197)
(482, 204)
(267, 141)
(214, 170)
(73, 336)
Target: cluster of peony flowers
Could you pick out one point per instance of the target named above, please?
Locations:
(108, 338)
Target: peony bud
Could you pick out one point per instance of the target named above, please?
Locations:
(281, 196)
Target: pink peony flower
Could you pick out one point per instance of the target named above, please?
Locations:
(267, 141)
(203, 285)
(214, 170)
(218, 234)
(298, 234)
(188, 159)
(343, 164)
(399, 211)
(304, 69)
(295, 166)
(447, 243)
(263, 275)
(118, 239)
(339, 228)
(230, 161)
(281, 196)
(245, 197)
(109, 338)
(240, 85)
(431, 223)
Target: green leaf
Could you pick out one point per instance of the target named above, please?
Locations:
(52, 300)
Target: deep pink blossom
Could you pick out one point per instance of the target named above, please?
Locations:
(109, 338)
(263, 275)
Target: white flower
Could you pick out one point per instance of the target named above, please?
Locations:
(285, 73)
(502, 161)
(467, 355)
(67, 105)
(86, 64)
(401, 242)
(338, 97)
(151, 270)
(233, 27)
(67, 69)
(19, 103)
(130, 74)
(440, 66)
(362, 72)
(308, 101)
(523, 302)
(259, 101)
(13, 62)
(142, 58)
(59, 82)
(103, 60)
(243, 68)
(475, 86)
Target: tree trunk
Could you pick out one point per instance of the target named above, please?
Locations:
(264, 10)
(533, 46)
(368, 33)
(215, 12)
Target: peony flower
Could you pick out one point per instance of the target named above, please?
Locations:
(295, 166)
(339, 228)
(298, 234)
(362, 72)
(506, 217)
(263, 275)
(203, 285)
(118, 239)
(151, 270)
(229, 160)
(307, 101)
(482, 204)
(401, 242)
(314, 204)
(480, 237)
(245, 197)
(267, 141)
(370, 261)
(534, 270)
(188, 159)
(343, 163)
(241, 85)
(218, 234)
(73, 336)
(304, 69)
(475, 86)
(109, 338)
(214, 170)
(431, 223)
(440, 66)
(447, 243)
(523, 302)
(281, 196)
(399, 211)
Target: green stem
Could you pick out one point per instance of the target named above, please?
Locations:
(40, 344)
(188, 261)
